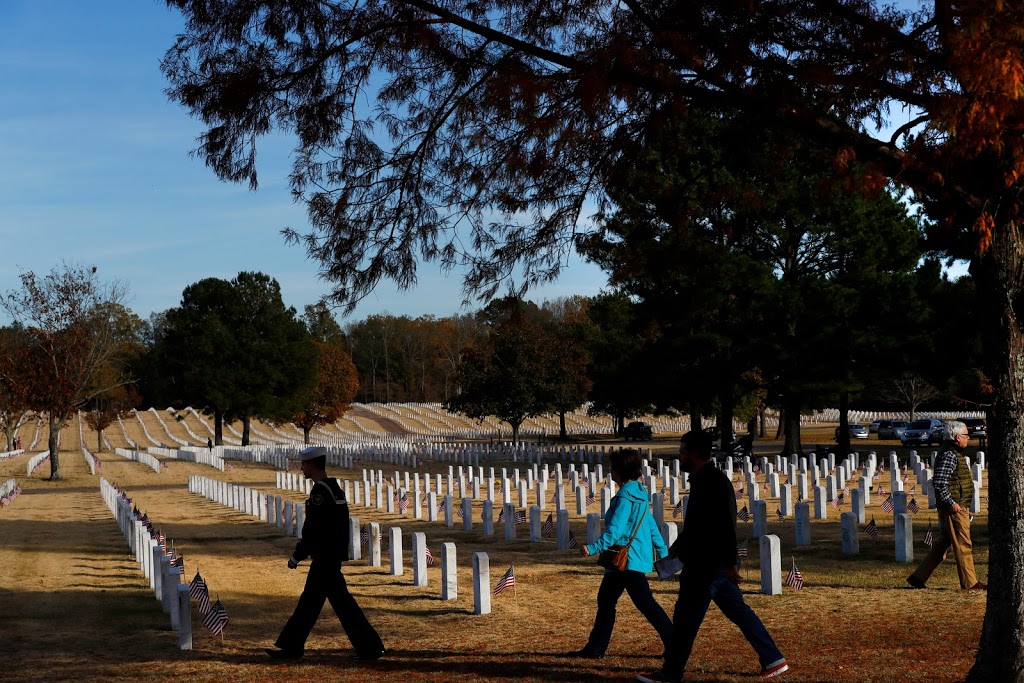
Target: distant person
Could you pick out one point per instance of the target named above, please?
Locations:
(209, 443)
(707, 547)
(325, 539)
(954, 490)
(628, 516)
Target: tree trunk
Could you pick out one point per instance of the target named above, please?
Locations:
(998, 278)
(54, 441)
(762, 414)
(218, 428)
(696, 424)
(99, 440)
(305, 434)
(791, 415)
(245, 430)
(515, 432)
(843, 442)
(780, 430)
(561, 426)
(725, 415)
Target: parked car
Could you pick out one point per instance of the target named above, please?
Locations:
(873, 427)
(638, 431)
(856, 431)
(892, 429)
(923, 433)
(976, 427)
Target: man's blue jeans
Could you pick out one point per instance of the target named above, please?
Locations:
(696, 592)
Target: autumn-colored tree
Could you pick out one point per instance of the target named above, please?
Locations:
(502, 117)
(73, 323)
(15, 392)
(337, 383)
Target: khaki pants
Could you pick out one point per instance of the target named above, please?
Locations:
(956, 534)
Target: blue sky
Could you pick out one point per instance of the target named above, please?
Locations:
(95, 169)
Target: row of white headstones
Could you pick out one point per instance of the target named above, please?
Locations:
(165, 580)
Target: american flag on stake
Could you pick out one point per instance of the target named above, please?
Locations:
(872, 530)
(548, 527)
(913, 507)
(198, 591)
(364, 537)
(741, 549)
(403, 503)
(520, 517)
(838, 500)
(881, 490)
(591, 499)
(573, 543)
(677, 511)
(506, 581)
(782, 516)
(795, 579)
(430, 558)
(887, 505)
(743, 514)
(216, 619)
(928, 535)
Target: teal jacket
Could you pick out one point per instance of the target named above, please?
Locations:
(622, 517)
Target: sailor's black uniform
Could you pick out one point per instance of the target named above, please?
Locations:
(325, 539)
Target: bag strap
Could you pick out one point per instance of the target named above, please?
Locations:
(643, 515)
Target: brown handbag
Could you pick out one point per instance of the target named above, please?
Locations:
(617, 556)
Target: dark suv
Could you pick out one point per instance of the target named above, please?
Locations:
(975, 427)
(638, 431)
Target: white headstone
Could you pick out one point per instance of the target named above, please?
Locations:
(481, 583)
(771, 565)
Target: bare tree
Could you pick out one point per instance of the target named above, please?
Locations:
(910, 389)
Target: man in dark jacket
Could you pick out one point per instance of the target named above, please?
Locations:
(325, 537)
(707, 547)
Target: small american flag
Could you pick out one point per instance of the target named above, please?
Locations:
(757, 469)
(872, 529)
(440, 506)
(403, 503)
(677, 511)
(782, 516)
(458, 511)
(743, 514)
(846, 489)
(764, 487)
(573, 543)
(887, 505)
(591, 499)
(913, 507)
(881, 490)
(501, 515)
(838, 500)
(741, 549)
(520, 516)
(739, 494)
(795, 579)
(216, 619)
(364, 537)
(912, 491)
(928, 535)
(506, 581)
(548, 526)
(874, 477)
(430, 558)
(198, 591)
(906, 477)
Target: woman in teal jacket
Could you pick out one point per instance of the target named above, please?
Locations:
(628, 511)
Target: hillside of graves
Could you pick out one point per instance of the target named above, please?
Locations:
(79, 600)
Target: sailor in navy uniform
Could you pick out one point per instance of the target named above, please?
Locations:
(325, 539)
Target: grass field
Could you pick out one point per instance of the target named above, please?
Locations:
(73, 605)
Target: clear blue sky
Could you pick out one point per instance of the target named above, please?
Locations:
(95, 169)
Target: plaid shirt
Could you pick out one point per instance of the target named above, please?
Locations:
(945, 465)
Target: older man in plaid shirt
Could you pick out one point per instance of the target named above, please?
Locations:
(954, 489)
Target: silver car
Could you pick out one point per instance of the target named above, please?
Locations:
(892, 429)
(856, 432)
(923, 433)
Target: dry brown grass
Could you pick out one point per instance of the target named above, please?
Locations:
(73, 606)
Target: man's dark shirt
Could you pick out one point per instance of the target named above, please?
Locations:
(707, 543)
(325, 533)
